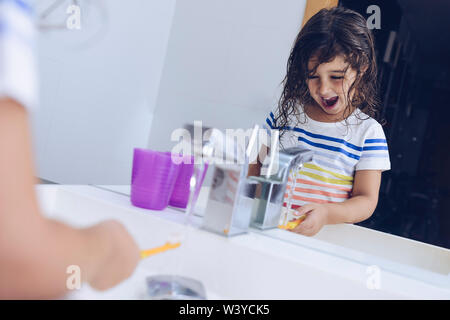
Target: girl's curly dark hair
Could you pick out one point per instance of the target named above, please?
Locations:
(327, 34)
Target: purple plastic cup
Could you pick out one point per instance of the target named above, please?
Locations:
(153, 178)
(180, 193)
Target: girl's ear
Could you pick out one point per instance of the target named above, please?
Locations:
(364, 68)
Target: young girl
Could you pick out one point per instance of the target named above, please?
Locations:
(328, 105)
(36, 252)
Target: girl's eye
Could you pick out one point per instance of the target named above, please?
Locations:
(332, 77)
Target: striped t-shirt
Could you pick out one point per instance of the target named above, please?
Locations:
(339, 149)
(18, 74)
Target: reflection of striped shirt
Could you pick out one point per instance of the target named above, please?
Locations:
(17, 61)
(339, 149)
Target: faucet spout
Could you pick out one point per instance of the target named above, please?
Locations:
(268, 203)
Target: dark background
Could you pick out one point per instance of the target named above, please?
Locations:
(414, 91)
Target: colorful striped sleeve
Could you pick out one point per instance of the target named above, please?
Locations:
(269, 125)
(375, 152)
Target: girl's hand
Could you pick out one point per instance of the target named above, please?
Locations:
(121, 255)
(316, 218)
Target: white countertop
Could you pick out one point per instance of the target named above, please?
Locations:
(274, 264)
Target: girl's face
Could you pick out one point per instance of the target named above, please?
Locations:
(329, 86)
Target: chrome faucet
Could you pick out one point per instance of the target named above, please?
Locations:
(269, 197)
(250, 200)
(228, 210)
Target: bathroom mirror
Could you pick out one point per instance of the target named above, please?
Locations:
(161, 64)
(413, 75)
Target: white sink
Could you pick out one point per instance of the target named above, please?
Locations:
(256, 265)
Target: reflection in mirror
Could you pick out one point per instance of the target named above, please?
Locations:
(414, 82)
(98, 86)
(133, 92)
(413, 198)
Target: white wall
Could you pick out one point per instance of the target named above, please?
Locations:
(98, 97)
(155, 66)
(225, 61)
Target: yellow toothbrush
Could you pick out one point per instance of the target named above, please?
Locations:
(150, 252)
(292, 224)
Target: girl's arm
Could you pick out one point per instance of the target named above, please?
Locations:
(358, 208)
(35, 252)
(363, 201)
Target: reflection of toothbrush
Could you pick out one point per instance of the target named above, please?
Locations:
(292, 224)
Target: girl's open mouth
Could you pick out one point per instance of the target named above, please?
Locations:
(329, 103)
